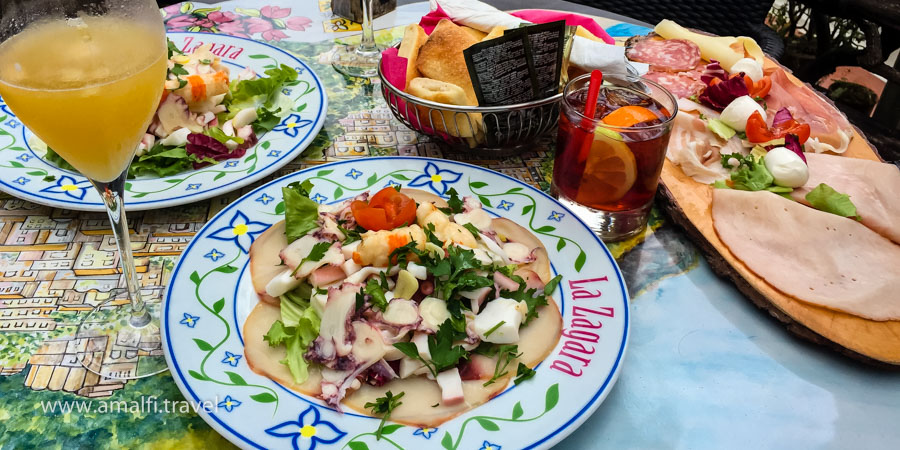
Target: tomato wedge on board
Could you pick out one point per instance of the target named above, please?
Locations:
(758, 132)
(386, 210)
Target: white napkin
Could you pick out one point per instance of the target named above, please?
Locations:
(590, 55)
(586, 54)
(478, 15)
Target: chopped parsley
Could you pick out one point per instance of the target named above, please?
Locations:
(505, 355)
(524, 373)
(472, 229)
(494, 328)
(444, 354)
(315, 255)
(384, 406)
(454, 202)
(532, 297)
(375, 291)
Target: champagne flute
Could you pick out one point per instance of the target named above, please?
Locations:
(86, 77)
(362, 60)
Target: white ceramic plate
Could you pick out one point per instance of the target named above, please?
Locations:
(25, 174)
(210, 296)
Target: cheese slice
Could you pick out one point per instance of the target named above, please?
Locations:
(725, 49)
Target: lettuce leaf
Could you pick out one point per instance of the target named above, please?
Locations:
(262, 92)
(300, 213)
(720, 128)
(825, 198)
(297, 329)
(162, 161)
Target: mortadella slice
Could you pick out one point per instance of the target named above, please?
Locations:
(873, 187)
(814, 256)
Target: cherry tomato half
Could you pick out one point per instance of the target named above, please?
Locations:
(386, 210)
(758, 132)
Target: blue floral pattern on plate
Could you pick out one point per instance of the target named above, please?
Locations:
(308, 430)
(438, 180)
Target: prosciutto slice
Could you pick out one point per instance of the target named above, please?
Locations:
(872, 186)
(697, 150)
(829, 129)
(813, 256)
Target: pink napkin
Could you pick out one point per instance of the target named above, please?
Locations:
(394, 67)
(572, 19)
(430, 20)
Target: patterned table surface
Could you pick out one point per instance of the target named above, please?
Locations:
(705, 368)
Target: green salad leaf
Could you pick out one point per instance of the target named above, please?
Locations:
(750, 175)
(262, 92)
(297, 329)
(825, 198)
(300, 212)
(720, 128)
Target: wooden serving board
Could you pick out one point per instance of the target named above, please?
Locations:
(689, 205)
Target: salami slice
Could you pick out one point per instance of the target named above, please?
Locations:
(680, 84)
(673, 55)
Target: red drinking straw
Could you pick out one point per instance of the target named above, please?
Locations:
(590, 108)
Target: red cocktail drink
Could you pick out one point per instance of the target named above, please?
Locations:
(607, 166)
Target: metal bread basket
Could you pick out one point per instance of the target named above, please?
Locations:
(491, 131)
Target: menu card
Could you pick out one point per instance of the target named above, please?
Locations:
(501, 69)
(547, 43)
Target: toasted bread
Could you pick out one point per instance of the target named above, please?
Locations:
(455, 124)
(413, 38)
(441, 57)
(477, 34)
(496, 32)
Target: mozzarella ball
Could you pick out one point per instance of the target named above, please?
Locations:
(787, 167)
(750, 67)
(737, 112)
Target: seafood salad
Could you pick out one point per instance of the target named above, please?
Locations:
(399, 294)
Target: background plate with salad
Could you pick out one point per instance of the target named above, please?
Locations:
(234, 111)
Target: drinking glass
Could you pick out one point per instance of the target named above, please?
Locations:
(360, 60)
(608, 174)
(86, 76)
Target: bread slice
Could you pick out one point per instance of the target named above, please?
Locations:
(455, 124)
(441, 57)
(496, 32)
(413, 38)
(477, 34)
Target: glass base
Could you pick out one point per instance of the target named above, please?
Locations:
(355, 61)
(611, 226)
(114, 348)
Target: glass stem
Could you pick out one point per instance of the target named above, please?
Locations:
(368, 29)
(113, 195)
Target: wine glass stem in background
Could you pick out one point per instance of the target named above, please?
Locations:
(112, 194)
(368, 29)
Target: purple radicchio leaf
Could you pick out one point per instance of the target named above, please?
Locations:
(713, 70)
(203, 147)
(783, 115)
(719, 95)
(792, 143)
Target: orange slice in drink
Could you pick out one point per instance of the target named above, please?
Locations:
(609, 172)
(629, 115)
